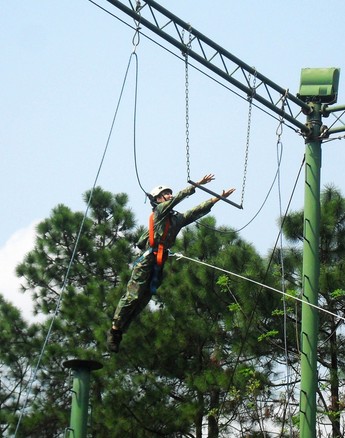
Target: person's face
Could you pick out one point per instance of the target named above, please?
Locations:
(166, 195)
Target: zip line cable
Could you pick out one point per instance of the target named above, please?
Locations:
(265, 286)
(65, 281)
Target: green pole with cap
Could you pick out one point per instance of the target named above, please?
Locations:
(318, 86)
(80, 395)
(310, 281)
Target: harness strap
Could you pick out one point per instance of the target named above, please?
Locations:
(151, 233)
(160, 248)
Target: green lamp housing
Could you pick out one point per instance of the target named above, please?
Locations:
(319, 84)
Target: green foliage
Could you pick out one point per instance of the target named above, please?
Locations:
(331, 351)
(337, 294)
(192, 356)
(19, 346)
(270, 334)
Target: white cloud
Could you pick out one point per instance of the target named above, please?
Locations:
(11, 254)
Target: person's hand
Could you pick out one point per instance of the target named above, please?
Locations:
(227, 193)
(206, 179)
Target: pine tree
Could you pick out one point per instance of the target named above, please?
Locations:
(96, 277)
(19, 343)
(190, 362)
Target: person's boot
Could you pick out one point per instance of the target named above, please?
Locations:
(114, 338)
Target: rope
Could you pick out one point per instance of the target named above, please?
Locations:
(265, 286)
(65, 281)
(135, 123)
(136, 41)
(265, 200)
(279, 134)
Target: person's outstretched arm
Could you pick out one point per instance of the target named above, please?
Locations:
(165, 207)
(203, 208)
(225, 194)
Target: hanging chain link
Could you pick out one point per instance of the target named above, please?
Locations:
(250, 98)
(279, 131)
(136, 37)
(186, 55)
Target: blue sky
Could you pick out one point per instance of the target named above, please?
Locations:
(63, 65)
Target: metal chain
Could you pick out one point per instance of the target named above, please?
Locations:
(250, 98)
(136, 37)
(279, 131)
(188, 46)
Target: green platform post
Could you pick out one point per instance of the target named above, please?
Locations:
(311, 271)
(80, 395)
(318, 86)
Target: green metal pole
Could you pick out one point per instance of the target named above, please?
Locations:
(80, 395)
(311, 271)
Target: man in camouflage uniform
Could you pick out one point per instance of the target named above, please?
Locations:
(147, 271)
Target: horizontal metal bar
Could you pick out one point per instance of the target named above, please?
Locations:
(326, 110)
(215, 194)
(336, 129)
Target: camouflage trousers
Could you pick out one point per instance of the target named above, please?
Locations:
(139, 292)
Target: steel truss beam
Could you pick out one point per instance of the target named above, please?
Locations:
(159, 20)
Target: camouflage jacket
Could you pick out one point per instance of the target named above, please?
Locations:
(164, 211)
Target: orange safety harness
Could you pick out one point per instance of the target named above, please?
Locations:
(159, 252)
